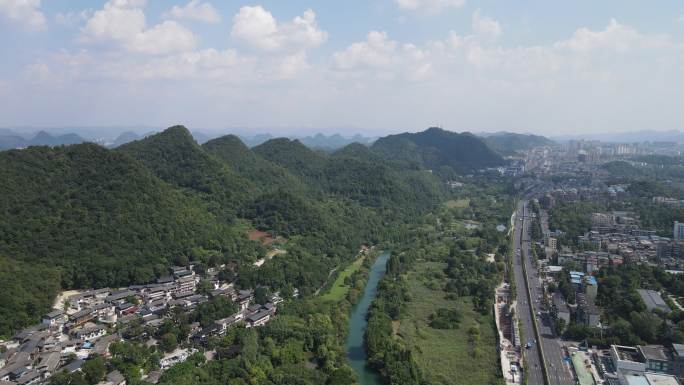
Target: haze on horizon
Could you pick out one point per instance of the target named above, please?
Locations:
(371, 67)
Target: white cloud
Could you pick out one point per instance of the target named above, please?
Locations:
(463, 81)
(260, 30)
(429, 5)
(26, 12)
(376, 52)
(292, 65)
(485, 26)
(217, 67)
(123, 22)
(385, 58)
(194, 10)
(72, 18)
(615, 37)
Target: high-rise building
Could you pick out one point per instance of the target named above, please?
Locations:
(678, 230)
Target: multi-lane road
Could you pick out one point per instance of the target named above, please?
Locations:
(559, 373)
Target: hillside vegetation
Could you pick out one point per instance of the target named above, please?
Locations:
(442, 151)
(83, 216)
(508, 143)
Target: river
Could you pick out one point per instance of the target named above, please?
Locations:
(356, 352)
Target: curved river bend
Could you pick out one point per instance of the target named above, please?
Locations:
(356, 351)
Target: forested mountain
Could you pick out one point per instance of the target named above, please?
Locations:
(294, 156)
(42, 138)
(356, 150)
(10, 140)
(439, 150)
(246, 163)
(355, 173)
(86, 216)
(508, 143)
(176, 158)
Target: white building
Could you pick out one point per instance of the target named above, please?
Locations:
(678, 230)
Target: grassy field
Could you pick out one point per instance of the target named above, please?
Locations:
(447, 357)
(338, 290)
(457, 204)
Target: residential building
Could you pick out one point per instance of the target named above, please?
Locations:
(91, 333)
(114, 378)
(678, 230)
(185, 284)
(560, 308)
(587, 312)
(590, 287)
(259, 319)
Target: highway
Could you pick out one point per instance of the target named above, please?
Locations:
(531, 356)
(559, 372)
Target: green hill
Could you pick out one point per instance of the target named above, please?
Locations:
(176, 158)
(437, 149)
(357, 151)
(294, 156)
(91, 217)
(250, 166)
(357, 173)
(508, 143)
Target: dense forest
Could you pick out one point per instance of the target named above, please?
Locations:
(508, 143)
(444, 152)
(83, 216)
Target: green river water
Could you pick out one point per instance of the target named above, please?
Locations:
(356, 352)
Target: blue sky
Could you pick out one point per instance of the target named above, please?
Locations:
(375, 66)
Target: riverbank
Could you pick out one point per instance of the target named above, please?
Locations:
(355, 345)
(342, 284)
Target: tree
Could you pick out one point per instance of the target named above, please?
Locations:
(341, 376)
(261, 295)
(168, 342)
(204, 287)
(94, 370)
(559, 326)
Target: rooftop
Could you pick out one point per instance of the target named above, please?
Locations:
(653, 300)
(679, 349)
(654, 352)
(54, 314)
(627, 353)
(661, 379)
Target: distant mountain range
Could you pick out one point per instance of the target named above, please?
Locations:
(20, 138)
(318, 141)
(10, 140)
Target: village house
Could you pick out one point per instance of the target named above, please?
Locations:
(90, 333)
